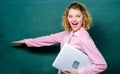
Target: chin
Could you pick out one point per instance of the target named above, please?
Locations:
(75, 30)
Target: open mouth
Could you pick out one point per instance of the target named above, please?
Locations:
(74, 23)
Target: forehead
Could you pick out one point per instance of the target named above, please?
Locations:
(74, 11)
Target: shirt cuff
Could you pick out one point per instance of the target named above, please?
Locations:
(28, 42)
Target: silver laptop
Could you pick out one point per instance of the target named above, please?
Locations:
(71, 58)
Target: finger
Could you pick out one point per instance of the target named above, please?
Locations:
(67, 71)
(15, 42)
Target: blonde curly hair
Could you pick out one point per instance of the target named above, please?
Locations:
(87, 20)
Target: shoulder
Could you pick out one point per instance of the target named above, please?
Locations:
(84, 33)
(86, 38)
(63, 32)
(60, 34)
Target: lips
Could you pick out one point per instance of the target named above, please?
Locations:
(74, 23)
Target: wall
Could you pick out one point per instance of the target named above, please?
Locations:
(21, 19)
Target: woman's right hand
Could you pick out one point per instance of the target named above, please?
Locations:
(19, 42)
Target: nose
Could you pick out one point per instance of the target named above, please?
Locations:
(74, 19)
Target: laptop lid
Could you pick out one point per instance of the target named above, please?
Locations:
(71, 58)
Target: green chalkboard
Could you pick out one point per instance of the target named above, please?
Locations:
(21, 19)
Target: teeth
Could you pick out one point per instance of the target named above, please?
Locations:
(74, 23)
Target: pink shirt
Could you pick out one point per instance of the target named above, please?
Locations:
(81, 40)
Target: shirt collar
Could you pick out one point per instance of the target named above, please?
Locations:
(77, 33)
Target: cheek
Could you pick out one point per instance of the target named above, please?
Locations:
(69, 20)
(80, 20)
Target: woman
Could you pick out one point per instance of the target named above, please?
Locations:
(76, 22)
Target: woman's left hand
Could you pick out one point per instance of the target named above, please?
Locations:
(71, 71)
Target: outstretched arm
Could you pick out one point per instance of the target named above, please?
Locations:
(19, 42)
(43, 41)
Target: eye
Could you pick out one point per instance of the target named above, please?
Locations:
(69, 16)
(77, 16)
